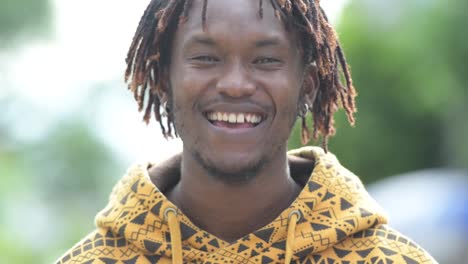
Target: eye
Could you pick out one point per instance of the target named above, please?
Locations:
(205, 59)
(266, 60)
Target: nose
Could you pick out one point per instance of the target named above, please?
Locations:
(236, 81)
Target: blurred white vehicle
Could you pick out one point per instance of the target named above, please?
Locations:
(431, 207)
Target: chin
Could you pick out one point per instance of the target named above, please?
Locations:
(232, 170)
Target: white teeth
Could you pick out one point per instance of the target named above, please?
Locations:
(255, 119)
(214, 116)
(240, 118)
(234, 118)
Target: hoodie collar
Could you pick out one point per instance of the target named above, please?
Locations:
(332, 205)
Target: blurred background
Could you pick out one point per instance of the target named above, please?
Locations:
(69, 128)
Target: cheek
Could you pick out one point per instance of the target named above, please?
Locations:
(288, 103)
(180, 104)
(185, 87)
(186, 92)
(286, 95)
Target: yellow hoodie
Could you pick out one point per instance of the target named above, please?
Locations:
(333, 220)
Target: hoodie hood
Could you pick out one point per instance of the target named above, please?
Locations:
(332, 206)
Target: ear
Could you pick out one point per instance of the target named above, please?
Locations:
(311, 83)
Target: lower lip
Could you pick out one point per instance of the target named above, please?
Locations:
(223, 124)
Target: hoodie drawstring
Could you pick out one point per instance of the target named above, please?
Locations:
(176, 237)
(294, 217)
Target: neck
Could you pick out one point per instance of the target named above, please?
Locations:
(230, 211)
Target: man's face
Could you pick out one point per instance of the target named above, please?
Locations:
(241, 67)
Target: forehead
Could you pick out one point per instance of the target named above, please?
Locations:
(239, 19)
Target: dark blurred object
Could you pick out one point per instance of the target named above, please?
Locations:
(431, 207)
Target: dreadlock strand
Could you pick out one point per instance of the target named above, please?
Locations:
(147, 116)
(143, 48)
(342, 91)
(321, 27)
(327, 123)
(204, 10)
(185, 11)
(157, 114)
(162, 23)
(325, 143)
(288, 6)
(141, 94)
(260, 9)
(157, 109)
(154, 57)
(277, 9)
(176, 134)
(141, 98)
(152, 83)
(131, 70)
(281, 3)
(314, 14)
(166, 15)
(305, 133)
(130, 59)
(169, 127)
(303, 13)
(318, 114)
(137, 38)
(136, 93)
(345, 68)
(301, 6)
(350, 106)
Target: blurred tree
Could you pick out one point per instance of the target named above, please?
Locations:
(23, 17)
(50, 187)
(408, 66)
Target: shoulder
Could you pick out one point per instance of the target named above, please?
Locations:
(383, 243)
(84, 250)
(99, 245)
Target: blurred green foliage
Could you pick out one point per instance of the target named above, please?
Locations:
(407, 59)
(51, 186)
(22, 19)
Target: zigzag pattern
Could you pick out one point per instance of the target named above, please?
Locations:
(338, 225)
(145, 230)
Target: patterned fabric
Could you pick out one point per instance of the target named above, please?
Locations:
(339, 223)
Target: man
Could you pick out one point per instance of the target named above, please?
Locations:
(231, 78)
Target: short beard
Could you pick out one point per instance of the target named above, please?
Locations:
(238, 177)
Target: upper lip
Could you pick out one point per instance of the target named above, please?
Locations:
(235, 108)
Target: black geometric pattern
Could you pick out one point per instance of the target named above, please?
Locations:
(339, 224)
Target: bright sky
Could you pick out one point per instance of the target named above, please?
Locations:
(88, 48)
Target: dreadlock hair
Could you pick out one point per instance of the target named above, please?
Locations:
(149, 55)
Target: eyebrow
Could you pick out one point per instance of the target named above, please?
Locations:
(205, 40)
(267, 42)
(201, 40)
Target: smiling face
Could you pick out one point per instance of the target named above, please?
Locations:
(234, 86)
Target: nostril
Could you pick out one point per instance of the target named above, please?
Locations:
(236, 83)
